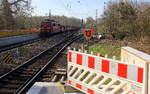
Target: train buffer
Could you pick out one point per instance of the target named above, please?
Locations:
(93, 74)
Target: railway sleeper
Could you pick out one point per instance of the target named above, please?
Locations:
(64, 70)
(6, 91)
(46, 76)
(37, 64)
(16, 78)
(26, 76)
(45, 80)
(21, 75)
(30, 71)
(27, 72)
(12, 82)
(35, 67)
(27, 69)
(10, 86)
(50, 72)
(60, 73)
(59, 78)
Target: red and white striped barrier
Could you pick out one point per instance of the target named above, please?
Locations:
(99, 75)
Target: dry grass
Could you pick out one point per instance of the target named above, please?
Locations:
(113, 47)
(14, 33)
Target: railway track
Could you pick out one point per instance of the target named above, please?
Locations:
(19, 80)
(56, 72)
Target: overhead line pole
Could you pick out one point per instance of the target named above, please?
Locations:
(50, 14)
(96, 20)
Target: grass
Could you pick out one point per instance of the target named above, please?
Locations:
(106, 49)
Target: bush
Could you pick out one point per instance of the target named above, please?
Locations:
(119, 35)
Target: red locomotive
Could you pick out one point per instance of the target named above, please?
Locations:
(49, 27)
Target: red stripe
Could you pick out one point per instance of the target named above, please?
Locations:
(78, 86)
(69, 56)
(91, 61)
(140, 75)
(79, 59)
(105, 66)
(69, 82)
(90, 91)
(122, 70)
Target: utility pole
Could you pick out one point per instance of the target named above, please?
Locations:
(50, 14)
(104, 18)
(82, 23)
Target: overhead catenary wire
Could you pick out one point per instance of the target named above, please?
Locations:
(68, 7)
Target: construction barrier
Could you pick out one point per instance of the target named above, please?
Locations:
(137, 57)
(100, 75)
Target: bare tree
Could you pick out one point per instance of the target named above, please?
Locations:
(10, 10)
(127, 19)
(90, 22)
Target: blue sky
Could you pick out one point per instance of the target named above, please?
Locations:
(72, 8)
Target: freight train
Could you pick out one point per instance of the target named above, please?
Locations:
(50, 27)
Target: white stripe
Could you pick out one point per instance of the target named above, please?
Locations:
(73, 83)
(74, 57)
(84, 60)
(113, 66)
(84, 88)
(132, 73)
(98, 64)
